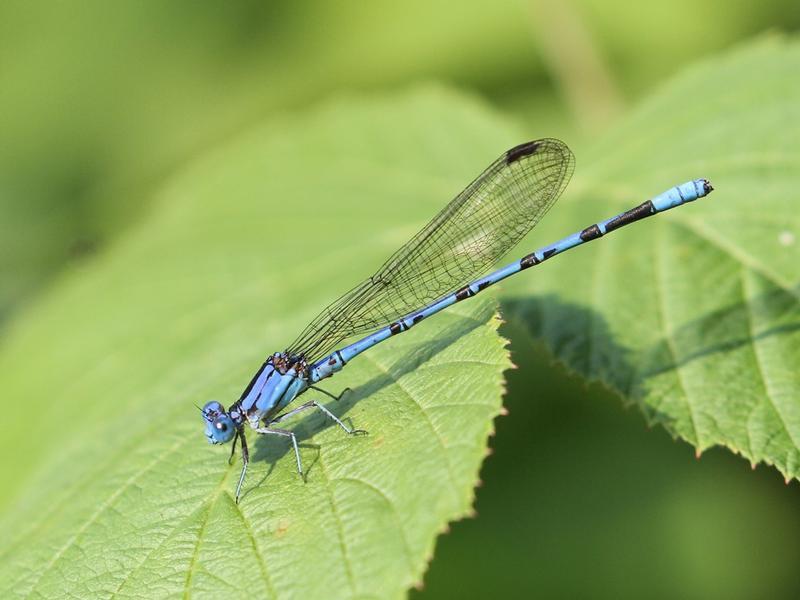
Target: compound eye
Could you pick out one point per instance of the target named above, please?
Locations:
(212, 408)
(222, 429)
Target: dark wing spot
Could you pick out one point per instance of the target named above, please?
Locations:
(521, 151)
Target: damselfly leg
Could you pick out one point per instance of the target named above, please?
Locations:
(327, 393)
(245, 461)
(329, 414)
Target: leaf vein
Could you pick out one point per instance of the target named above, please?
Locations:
(707, 234)
(261, 564)
(661, 309)
(339, 526)
(422, 410)
(108, 503)
(761, 367)
(395, 515)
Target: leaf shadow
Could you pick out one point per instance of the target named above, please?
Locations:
(271, 449)
(581, 338)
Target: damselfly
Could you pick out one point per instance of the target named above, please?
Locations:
(436, 268)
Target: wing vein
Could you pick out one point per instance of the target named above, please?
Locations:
(458, 245)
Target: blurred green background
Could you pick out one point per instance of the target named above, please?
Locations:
(101, 102)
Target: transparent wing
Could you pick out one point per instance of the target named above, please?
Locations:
(469, 235)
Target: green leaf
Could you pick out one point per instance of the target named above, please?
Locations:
(125, 495)
(695, 314)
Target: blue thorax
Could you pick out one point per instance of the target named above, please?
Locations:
(279, 381)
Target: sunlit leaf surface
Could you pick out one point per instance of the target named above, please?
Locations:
(240, 251)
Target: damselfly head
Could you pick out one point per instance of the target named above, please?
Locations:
(220, 428)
